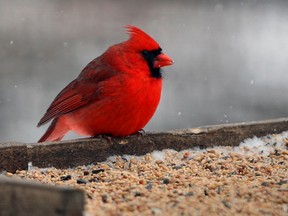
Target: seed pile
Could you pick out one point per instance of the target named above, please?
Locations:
(226, 180)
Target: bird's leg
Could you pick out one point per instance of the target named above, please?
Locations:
(141, 132)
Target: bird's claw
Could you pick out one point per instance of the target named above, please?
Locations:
(141, 132)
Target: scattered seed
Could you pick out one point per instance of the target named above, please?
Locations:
(166, 181)
(177, 167)
(94, 180)
(265, 184)
(159, 162)
(124, 158)
(226, 204)
(86, 172)
(133, 160)
(9, 174)
(97, 171)
(178, 184)
(137, 194)
(189, 194)
(149, 186)
(65, 178)
(281, 182)
(186, 155)
(142, 181)
(21, 172)
(81, 181)
(105, 198)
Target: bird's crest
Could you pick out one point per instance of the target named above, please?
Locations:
(140, 39)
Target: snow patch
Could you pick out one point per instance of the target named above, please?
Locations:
(158, 155)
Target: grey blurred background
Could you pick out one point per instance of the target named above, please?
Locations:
(231, 57)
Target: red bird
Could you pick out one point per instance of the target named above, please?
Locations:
(115, 94)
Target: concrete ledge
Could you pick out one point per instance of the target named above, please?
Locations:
(72, 153)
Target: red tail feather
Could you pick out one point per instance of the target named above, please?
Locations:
(54, 132)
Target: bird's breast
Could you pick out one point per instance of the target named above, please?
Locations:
(125, 107)
(139, 99)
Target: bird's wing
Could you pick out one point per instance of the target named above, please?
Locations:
(81, 91)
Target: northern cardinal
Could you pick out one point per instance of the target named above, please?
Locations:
(116, 94)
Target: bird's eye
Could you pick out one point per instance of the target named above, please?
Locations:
(144, 52)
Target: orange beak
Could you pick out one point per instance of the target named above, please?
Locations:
(162, 60)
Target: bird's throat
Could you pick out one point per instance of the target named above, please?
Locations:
(155, 72)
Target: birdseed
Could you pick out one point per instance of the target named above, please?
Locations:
(241, 180)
